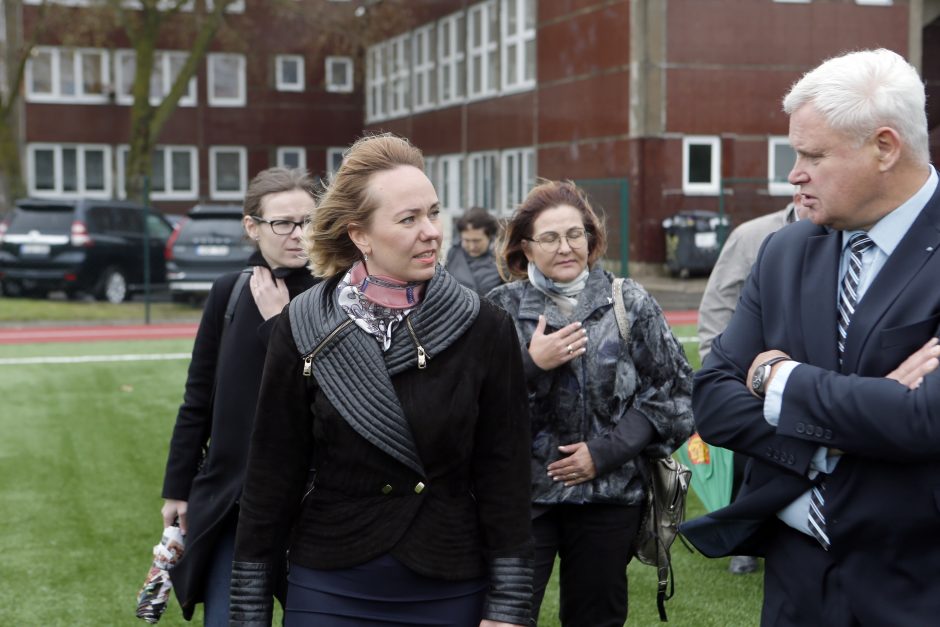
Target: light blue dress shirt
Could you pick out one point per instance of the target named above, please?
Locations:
(886, 234)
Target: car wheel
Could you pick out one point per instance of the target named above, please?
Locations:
(113, 287)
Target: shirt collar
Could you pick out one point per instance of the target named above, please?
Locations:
(889, 230)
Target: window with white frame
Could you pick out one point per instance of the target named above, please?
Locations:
(289, 72)
(517, 27)
(451, 64)
(430, 170)
(517, 175)
(481, 179)
(226, 79)
(69, 170)
(228, 172)
(701, 165)
(334, 159)
(376, 84)
(166, 67)
(399, 75)
(424, 80)
(780, 160)
(793, 1)
(174, 173)
(451, 181)
(482, 50)
(73, 75)
(292, 157)
(339, 74)
(875, 2)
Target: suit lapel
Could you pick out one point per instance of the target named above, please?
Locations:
(818, 298)
(917, 246)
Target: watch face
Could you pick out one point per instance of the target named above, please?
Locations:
(757, 381)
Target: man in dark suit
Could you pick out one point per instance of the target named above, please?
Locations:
(826, 375)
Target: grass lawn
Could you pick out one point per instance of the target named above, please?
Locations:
(81, 464)
(13, 310)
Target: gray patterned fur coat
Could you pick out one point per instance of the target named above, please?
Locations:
(596, 397)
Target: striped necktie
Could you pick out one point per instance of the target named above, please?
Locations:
(848, 298)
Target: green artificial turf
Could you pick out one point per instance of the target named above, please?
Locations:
(82, 455)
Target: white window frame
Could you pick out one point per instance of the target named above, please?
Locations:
(712, 188)
(517, 176)
(483, 179)
(55, 76)
(430, 170)
(216, 194)
(452, 59)
(776, 187)
(171, 193)
(875, 3)
(224, 101)
(300, 151)
(793, 1)
(58, 192)
(423, 47)
(163, 67)
(520, 38)
(452, 181)
(399, 75)
(331, 157)
(332, 85)
(376, 83)
(283, 85)
(480, 55)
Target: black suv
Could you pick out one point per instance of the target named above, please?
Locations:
(212, 242)
(91, 246)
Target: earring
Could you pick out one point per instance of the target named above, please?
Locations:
(365, 257)
(257, 238)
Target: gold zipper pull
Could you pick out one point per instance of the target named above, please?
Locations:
(422, 359)
(308, 364)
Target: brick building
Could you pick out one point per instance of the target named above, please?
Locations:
(261, 97)
(656, 106)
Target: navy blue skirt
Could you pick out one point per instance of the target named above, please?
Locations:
(383, 592)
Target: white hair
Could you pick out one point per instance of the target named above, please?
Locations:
(861, 91)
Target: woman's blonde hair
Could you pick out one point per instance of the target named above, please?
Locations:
(346, 200)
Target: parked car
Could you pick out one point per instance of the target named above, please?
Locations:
(209, 244)
(81, 246)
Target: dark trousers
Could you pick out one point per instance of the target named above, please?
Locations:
(594, 544)
(802, 585)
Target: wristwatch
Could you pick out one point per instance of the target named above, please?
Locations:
(761, 373)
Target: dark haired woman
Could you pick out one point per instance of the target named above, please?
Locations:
(471, 261)
(404, 390)
(597, 403)
(209, 448)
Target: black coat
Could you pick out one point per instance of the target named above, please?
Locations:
(467, 413)
(211, 479)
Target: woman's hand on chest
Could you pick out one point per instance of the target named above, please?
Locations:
(550, 350)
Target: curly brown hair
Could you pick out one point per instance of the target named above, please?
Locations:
(547, 195)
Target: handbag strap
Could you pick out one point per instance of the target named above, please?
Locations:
(620, 310)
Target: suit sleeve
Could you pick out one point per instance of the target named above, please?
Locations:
(726, 413)
(872, 417)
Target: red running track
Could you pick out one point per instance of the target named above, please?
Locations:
(162, 331)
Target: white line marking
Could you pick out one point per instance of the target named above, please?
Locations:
(91, 359)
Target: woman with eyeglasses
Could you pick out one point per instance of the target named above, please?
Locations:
(209, 448)
(597, 404)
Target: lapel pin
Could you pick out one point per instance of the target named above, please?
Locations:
(930, 249)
